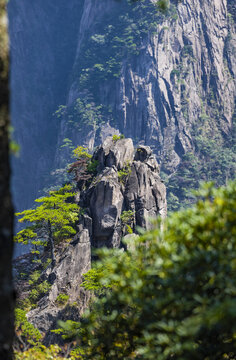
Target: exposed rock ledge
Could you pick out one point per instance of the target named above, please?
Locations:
(109, 194)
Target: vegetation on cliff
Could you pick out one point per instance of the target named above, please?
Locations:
(171, 293)
(172, 296)
(51, 221)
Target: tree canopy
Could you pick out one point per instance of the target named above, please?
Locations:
(51, 221)
(173, 295)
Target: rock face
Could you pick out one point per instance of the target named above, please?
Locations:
(126, 191)
(128, 181)
(65, 278)
(183, 72)
(173, 80)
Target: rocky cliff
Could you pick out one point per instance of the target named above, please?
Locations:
(167, 80)
(173, 88)
(125, 193)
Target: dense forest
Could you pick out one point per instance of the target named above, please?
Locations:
(123, 142)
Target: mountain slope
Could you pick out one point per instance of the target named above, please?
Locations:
(165, 79)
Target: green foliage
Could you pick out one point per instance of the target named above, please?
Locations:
(60, 112)
(127, 217)
(67, 143)
(92, 279)
(26, 333)
(81, 153)
(38, 290)
(77, 353)
(83, 112)
(54, 209)
(129, 229)
(174, 294)
(41, 352)
(14, 148)
(69, 329)
(115, 137)
(187, 51)
(124, 173)
(163, 5)
(35, 290)
(87, 112)
(85, 168)
(46, 263)
(92, 166)
(34, 277)
(62, 299)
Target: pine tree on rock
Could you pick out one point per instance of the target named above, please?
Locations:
(51, 221)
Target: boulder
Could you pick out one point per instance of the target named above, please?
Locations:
(114, 153)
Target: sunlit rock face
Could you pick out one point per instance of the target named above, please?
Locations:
(78, 77)
(128, 180)
(182, 72)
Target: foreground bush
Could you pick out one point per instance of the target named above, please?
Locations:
(174, 295)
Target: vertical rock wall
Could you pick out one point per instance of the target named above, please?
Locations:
(182, 73)
(180, 78)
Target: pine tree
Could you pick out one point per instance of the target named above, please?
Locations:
(51, 221)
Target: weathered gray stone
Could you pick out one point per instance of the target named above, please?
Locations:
(66, 278)
(164, 90)
(115, 153)
(141, 192)
(106, 204)
(143, 153)
(102, 201)
(145, 194)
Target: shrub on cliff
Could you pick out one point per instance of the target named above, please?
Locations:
(174, 295)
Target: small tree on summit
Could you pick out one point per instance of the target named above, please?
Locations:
(85, 167)
(51, 221)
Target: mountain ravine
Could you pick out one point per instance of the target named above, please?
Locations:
(84, 70)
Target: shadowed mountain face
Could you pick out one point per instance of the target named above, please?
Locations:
(165, 79)
(43, 44)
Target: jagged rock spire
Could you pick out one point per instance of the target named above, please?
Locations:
(127, 185)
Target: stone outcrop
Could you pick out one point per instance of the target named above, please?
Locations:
(127, 180)
(65, 278)
(139, 193)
